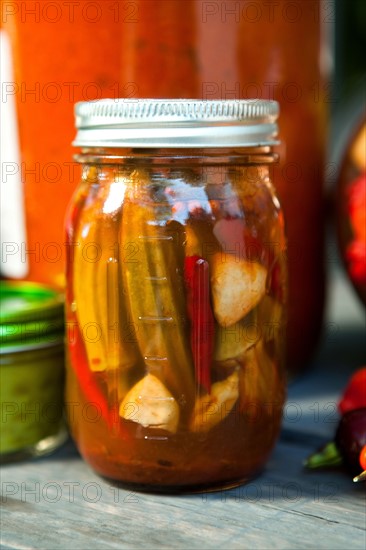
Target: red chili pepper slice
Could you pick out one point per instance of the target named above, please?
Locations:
(197, 280)
(91, 390)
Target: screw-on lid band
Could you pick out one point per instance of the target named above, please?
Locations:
(31, 316)
(176, 123)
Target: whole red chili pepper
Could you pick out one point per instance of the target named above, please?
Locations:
(345, 449)
(197, 280)
(350, 437)
(354, 396)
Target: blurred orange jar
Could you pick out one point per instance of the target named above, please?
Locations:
(176, 292)
(59, 53)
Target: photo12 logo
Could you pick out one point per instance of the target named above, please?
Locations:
(69, 11)
(266, 11)
(69, 92)
(72, 492)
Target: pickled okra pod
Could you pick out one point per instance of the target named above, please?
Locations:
(110, 352)
(87, 304)
(156, 300)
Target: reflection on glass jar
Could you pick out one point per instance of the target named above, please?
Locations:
(176, 295)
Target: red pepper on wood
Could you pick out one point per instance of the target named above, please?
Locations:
(354, 396)
(350, 438)
(197, 280)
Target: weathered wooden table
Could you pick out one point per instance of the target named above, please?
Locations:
(58, 502)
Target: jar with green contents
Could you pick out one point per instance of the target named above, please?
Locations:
(32, 370)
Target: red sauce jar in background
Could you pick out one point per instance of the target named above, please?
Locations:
(242, 49)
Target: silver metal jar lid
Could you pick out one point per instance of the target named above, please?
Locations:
(173, 123)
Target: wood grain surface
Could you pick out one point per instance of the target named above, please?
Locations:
(57, 502)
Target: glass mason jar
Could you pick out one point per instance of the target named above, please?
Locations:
(32, 371)
(176, 292)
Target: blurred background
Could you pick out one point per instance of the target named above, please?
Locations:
(349, 88)
(350, 42)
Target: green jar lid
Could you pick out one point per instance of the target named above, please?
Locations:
(31, 316)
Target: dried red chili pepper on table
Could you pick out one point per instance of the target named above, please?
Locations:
(350, 438)
(345, 450)
(197, 280)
